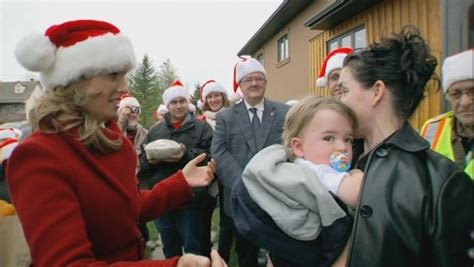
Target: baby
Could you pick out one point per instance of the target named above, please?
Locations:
(292, 182)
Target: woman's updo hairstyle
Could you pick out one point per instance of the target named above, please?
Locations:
(403, 62)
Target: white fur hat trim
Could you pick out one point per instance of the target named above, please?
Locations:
(174, 92)
(129, 101)
(458, 68)
(59, 67)
(248, 66)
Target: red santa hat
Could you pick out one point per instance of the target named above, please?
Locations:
(334, 60)
(176, 90)
(208, 87)
(456, 68)
(8, 141)
(73, 49)
(245, 67)
(129, 101)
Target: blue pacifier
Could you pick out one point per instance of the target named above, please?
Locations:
(340, 161)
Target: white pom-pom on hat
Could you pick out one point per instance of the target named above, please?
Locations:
(162, 109)
(191, 107)
(8, 141)
(200, 104)
(236, 97)
(321, 82)
(35, 52)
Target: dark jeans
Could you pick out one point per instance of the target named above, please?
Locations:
(181, 229)
(207, 223)
(225, 232)
(247, 251)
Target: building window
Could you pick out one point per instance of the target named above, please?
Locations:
(260, 58)
(283, 48)
(355, 39)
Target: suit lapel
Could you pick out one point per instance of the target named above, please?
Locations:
(243, 122)
(269, 114)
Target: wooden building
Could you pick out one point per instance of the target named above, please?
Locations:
(295, 39)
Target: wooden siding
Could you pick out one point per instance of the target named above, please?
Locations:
(379, 21)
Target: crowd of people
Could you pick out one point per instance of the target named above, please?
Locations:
(343, 180)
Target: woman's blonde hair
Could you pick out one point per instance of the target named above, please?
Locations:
(300, 115)
(62, 108)
(225, 103)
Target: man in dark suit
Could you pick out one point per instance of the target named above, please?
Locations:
(241, 131)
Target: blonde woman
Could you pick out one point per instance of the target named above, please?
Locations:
(73, 180)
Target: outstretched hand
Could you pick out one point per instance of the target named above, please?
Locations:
(191, 260)
(199, 176)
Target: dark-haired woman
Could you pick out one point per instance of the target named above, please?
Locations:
(415, 207)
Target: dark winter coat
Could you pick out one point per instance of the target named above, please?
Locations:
(255, 224)
(196, 135)
(416, 207)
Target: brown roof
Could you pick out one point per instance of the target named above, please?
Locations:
(8, 95)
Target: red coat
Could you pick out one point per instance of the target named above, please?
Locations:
(81, 208)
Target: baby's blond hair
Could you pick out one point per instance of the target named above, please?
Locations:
(301, 114)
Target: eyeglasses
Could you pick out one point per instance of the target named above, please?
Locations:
(456, 94)
(251, 80)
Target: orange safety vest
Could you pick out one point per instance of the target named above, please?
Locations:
(438, 132)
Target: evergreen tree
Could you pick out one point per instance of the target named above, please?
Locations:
(167, 74)
(145, 86)
(197, 92)
(148, 85)
(196, 96)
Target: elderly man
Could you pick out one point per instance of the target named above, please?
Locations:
(452, 133)
(330, 70)
(129, 116)
(241, 131)
(180, 229)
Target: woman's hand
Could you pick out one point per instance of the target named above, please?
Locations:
(199, 176)
(191, 260)
(216, 260)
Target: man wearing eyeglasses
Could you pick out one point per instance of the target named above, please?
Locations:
(242, 131)
(452, 133)
(128, 118)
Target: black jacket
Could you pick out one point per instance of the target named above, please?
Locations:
(416, 207)
(196, 135)
(256, 225)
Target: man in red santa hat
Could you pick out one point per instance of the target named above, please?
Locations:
(329, 75)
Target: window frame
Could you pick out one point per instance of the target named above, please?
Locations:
(337, 39)
(284, 39)
(260, 57)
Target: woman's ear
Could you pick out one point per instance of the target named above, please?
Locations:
(379, 92)
(297, 147)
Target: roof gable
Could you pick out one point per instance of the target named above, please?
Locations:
(16, 92)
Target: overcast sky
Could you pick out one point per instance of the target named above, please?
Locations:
(201, 38)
